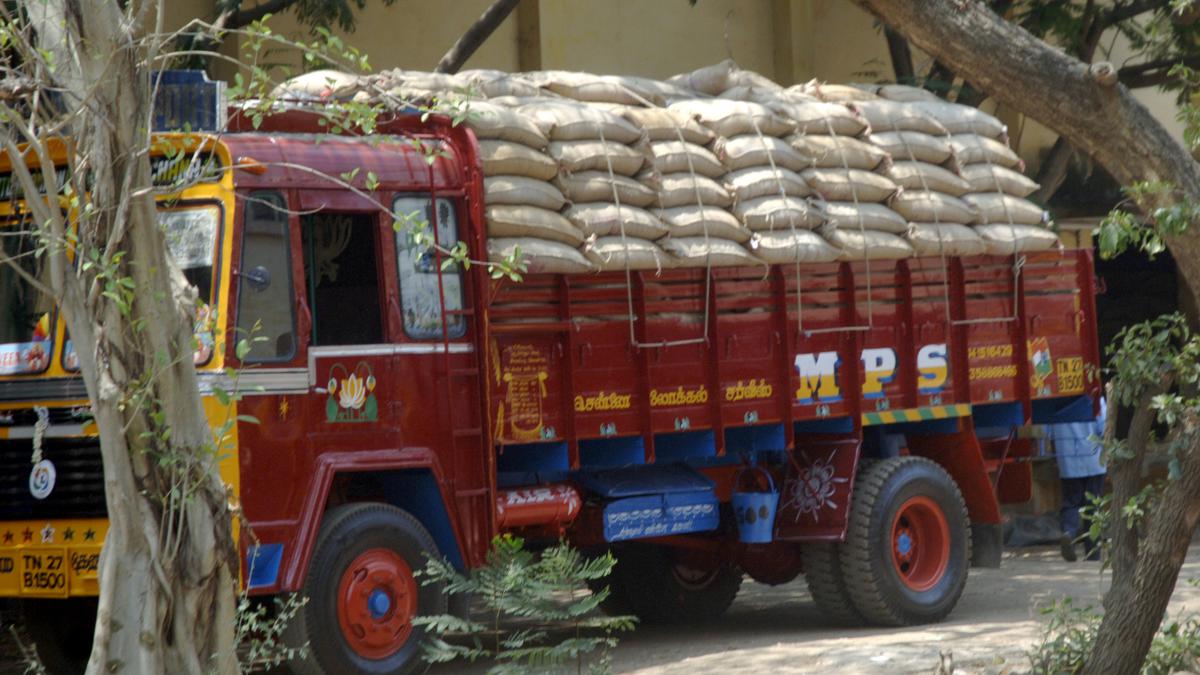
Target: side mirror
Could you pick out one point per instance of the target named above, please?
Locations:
(258, 278)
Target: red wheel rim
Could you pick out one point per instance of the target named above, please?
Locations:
(376, 602)
(920, 543)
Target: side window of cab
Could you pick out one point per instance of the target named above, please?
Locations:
(266, 311)
(421, 296)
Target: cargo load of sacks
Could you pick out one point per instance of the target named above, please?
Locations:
(722, 166)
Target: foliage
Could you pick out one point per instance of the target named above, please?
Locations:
(546, 595)
(1069, 635)
(260, 630)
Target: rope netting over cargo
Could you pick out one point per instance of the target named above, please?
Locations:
(722, 167)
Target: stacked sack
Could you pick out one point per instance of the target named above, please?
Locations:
(522, 201)
(720, 167)
(598, 154)
(926, 168)
(850, 175)
(1006, 222)
(761, 171)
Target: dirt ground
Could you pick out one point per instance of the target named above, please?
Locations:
(779, 629)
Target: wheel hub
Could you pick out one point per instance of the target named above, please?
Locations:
(920, 543)
(376, 602)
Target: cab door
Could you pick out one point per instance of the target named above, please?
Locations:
(438, 361)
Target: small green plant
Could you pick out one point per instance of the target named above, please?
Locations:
(1071, 632)
(554, 620)
(1067, 640)
(260, 632)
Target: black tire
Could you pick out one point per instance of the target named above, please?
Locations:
(823, 575)
(874, 577)
(62, 632)
(651, 584)
(348, 532)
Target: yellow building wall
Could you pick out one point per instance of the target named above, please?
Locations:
(790, 41)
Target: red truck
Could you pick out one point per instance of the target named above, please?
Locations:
(854, 422)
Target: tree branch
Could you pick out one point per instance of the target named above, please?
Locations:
(475, 36)
(1053, 171)
(902, 61)
(1154, 73)
(240, 18)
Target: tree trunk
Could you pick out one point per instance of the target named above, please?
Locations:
(168, 571)
(475, 36)
(1090, 110)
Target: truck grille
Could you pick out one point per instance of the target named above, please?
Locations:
(78, 489)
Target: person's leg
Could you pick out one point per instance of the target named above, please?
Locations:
(1072, 499)
(1093, 487)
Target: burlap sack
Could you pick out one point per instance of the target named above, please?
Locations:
(540, 256)
(949, 239)
(575, 156)
(318, 85)
(913, 146)
(658, 91)
(761, 181)
(663, 124)
(748, 78)
(422, 80)
(620, 253)
(702, 252)
(684, 189)
(588, 87)
(711, 80)
(491, 121)
(836, 93)
(740, 152)
(574, 121)
(994, 207)
(926, 176)
(836, 152)
(515, 159)
(920, 206)
(778, 213)
(677, 157)
(961, 119)
(905, 93)
(851, 216)
(522, 191)
(696, 221)
(787, 246)
(597, 186)
(604, 218)
(973, 149)
(820, 118)
(530, 221)
(844, 185)
(995, 178)
(897, 116)
(868, 244)
(496, 83)
(1007, 239)
(734, 118)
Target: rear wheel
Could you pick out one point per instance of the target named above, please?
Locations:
(908, 547)
(661, 585)
(823, 575)
(362, 594)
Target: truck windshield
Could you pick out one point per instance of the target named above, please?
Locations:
(25, 307)
(191, 234)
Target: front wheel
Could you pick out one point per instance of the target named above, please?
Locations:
(908, 546)
(362, 594)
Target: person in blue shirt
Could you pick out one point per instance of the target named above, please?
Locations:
(1081, 470)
